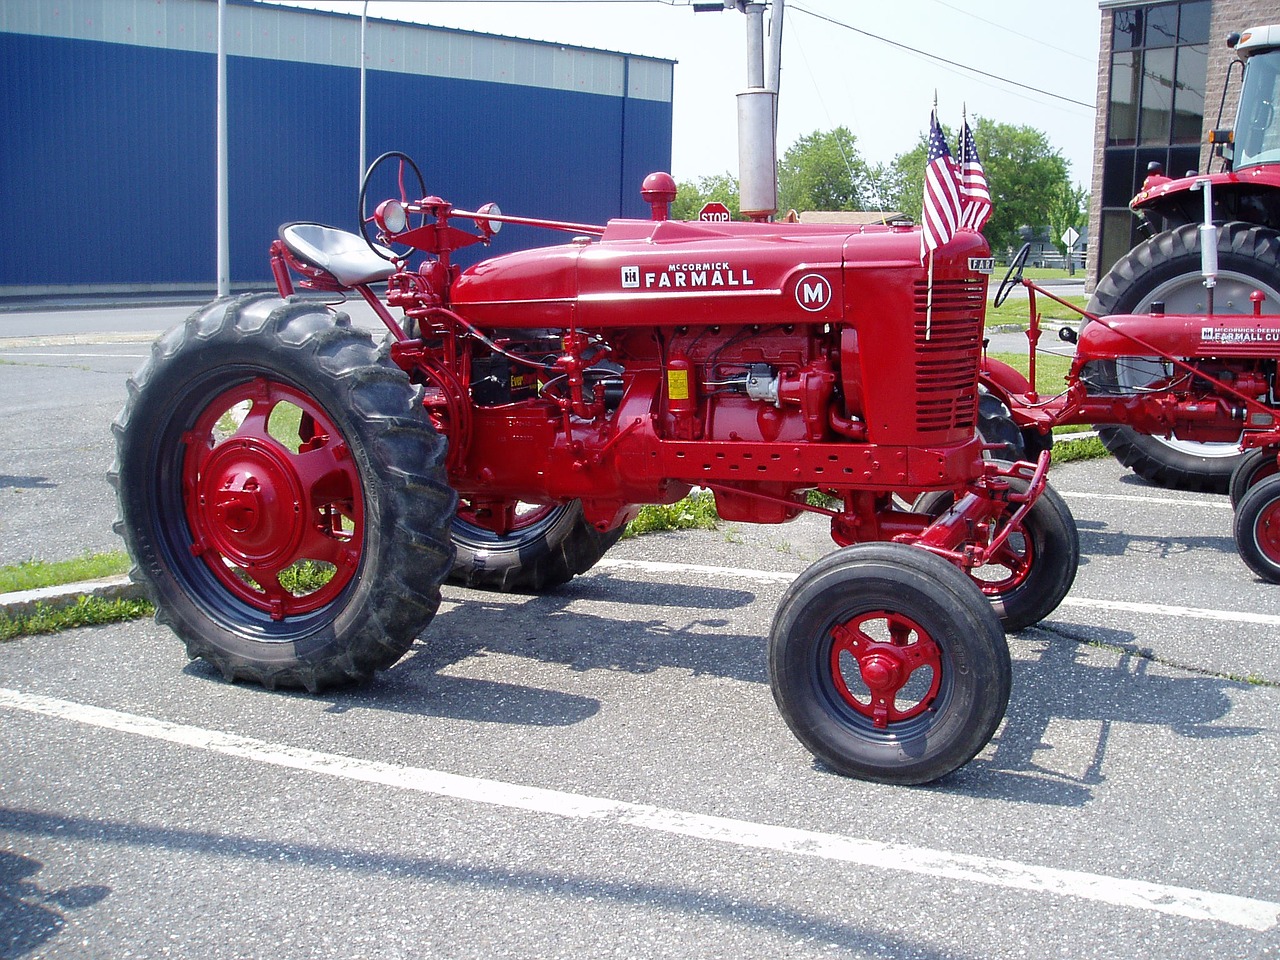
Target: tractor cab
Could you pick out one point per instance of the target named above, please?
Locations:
(1246, 178)
(1257, 132)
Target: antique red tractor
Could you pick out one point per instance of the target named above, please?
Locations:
(1165, 268)
(294, 495)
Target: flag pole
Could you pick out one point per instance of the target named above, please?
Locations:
(928, 308)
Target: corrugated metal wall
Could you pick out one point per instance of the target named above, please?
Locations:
(107, 154)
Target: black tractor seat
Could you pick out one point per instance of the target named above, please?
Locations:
(339, 253)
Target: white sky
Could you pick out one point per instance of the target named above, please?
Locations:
(830, 76)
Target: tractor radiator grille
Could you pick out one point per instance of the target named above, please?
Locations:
(947, 352)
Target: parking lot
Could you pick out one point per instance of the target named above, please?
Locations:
(600, 771)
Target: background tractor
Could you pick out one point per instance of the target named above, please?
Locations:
(1166, 269)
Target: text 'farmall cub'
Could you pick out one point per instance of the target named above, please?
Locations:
(294, 496)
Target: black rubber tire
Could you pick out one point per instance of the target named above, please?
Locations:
(1254, 467)
(995, 425)
(975, 671)
(547, 553)
(1248, 256)
(1257, 529)
(1049, 533)
(407, 504)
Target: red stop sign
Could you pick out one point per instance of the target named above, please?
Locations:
(714, 212)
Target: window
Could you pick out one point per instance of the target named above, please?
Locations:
(1155, 107)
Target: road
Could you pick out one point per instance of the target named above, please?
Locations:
(600, 771)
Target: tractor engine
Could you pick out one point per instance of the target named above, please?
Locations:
(671, 345)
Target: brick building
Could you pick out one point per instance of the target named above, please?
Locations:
(1161, 74)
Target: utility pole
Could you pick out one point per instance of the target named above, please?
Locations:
(757, 108)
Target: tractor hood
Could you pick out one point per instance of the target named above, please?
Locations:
(644, 272)
(1182, 336)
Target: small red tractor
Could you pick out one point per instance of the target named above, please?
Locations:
(293, 495)
(1201, 377)
(1165, 269)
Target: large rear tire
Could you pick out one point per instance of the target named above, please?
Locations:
(888, 664)
(282, 495)
(1166, 268)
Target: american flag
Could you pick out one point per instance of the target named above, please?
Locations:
(975, 197)
(941, 215)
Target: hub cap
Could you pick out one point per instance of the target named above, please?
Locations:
(272, 498)
(885, 667)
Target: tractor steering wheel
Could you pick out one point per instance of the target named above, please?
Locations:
(1014, 277)
(366, 215)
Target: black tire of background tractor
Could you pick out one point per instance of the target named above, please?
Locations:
(1248, 257)
(1035, 443)
(1254, 467)
(405, 554)
(866, 583)
(545, 554)
(995, 425)
(1048, 532)
(1257, 529)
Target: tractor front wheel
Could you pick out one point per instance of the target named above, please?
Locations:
(282, 494)
(1030, 574)
(1254, 467)
(1257, 528)
(888, 664)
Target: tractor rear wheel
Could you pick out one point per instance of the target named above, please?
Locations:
(524, 547)
(1257, 529)
(888, 664)
(1029, 576)
(1166, 268)
(282, 495)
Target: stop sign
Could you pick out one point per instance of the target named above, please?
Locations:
(714, 212)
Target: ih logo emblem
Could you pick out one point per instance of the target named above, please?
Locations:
(813, 292)
(630, 278)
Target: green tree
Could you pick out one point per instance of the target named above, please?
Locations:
(1066, 211)
(692, 195)
(1024, 174)
(825, 171)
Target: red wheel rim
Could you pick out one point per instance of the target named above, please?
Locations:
(1008, 567)
(878, 664)
(272, 498)
(503, 517)
(1266, 531)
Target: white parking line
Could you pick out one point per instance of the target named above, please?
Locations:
(1193, 904)
(773, 576)
(1133, 498)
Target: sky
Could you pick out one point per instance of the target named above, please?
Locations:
(1040, 60)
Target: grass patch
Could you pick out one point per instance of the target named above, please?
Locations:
(33, 574)
(1087, 448)
(85, 612)
(695, 512)
(1015, 311)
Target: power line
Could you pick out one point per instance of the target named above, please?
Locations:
(933, 56)
(1001, 26)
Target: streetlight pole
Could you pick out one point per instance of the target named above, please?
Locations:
(222, 205)
(364, 23)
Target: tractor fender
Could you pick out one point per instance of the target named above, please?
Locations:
(1002, 379)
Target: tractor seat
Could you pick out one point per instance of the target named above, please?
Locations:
(344, 255)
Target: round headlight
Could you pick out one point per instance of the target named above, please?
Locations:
(491, 226)
(392, 217)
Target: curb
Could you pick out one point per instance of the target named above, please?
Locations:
(24, 602)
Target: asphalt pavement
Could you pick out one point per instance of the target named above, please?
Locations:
(601, 771)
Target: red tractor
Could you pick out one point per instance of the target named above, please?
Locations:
(1202, 377)
(293, 495)
(1166, 269)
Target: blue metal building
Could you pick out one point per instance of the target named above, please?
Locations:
(107, 157)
